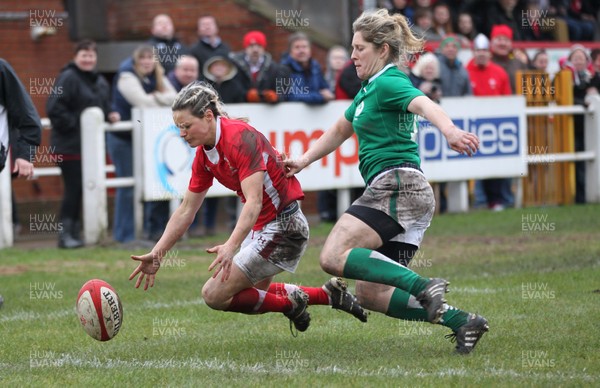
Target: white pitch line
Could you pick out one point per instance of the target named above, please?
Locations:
(473, 290)
(261, 368)
(24, 315)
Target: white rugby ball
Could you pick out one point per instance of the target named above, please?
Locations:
(99, 309)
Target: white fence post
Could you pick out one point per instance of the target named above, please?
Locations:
(93, 149)
(138, 171)
(592, 143)
(457, 197)
(343, 201)
(6, 231)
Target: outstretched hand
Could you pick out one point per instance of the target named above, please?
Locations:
(463, 142)
(148, 266)
(292, 166)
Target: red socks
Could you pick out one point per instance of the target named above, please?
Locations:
(316, 295)
(255, 301)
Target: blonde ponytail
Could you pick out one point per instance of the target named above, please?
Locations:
(379, 27)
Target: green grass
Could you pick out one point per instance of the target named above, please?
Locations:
(539, 290)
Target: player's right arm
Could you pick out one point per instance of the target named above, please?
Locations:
(179, 222)
(332, 139)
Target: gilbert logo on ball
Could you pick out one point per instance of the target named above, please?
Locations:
(99, 309)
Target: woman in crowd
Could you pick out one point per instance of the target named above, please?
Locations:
(79, 86)
(140, 82)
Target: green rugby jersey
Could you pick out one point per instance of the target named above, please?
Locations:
(382, 123)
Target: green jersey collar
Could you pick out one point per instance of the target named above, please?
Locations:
(380, 72)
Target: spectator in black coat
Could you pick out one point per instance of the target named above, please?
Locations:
(78, 87)
(167, 48)
(209, 43)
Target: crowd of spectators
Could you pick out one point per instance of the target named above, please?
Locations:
(159, 68)
(529, 20)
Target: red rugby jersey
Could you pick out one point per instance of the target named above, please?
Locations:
(240, 152)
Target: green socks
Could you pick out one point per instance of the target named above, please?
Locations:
(372, 266)
(402, 306)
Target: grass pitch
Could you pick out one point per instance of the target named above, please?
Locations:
(533, 273)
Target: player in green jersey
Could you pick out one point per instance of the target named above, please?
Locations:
(376, 238)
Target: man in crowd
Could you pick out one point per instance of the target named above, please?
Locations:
(209, 42)
(167, 48)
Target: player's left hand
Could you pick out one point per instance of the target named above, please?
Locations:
(463, 142)
(224, 259)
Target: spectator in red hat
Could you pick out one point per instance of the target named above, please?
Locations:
(257, 70)
(501, 48)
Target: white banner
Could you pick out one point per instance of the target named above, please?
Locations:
(501, 126)
(291, 127)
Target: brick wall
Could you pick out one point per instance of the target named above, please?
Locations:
(38, 63)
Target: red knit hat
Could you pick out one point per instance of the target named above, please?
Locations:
(255, 37)
(501, 29)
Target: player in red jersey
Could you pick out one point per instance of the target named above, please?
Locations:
(271, 233)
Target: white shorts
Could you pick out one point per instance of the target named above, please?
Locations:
(276, 248)
(399, 196)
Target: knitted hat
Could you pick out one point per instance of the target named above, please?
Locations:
(255, 37)
(501, 29)
(481, 42)
(450, 39)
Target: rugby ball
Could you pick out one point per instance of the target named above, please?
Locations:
(99, 309)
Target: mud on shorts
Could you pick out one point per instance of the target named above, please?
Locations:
(398, 204)
(276, 248)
